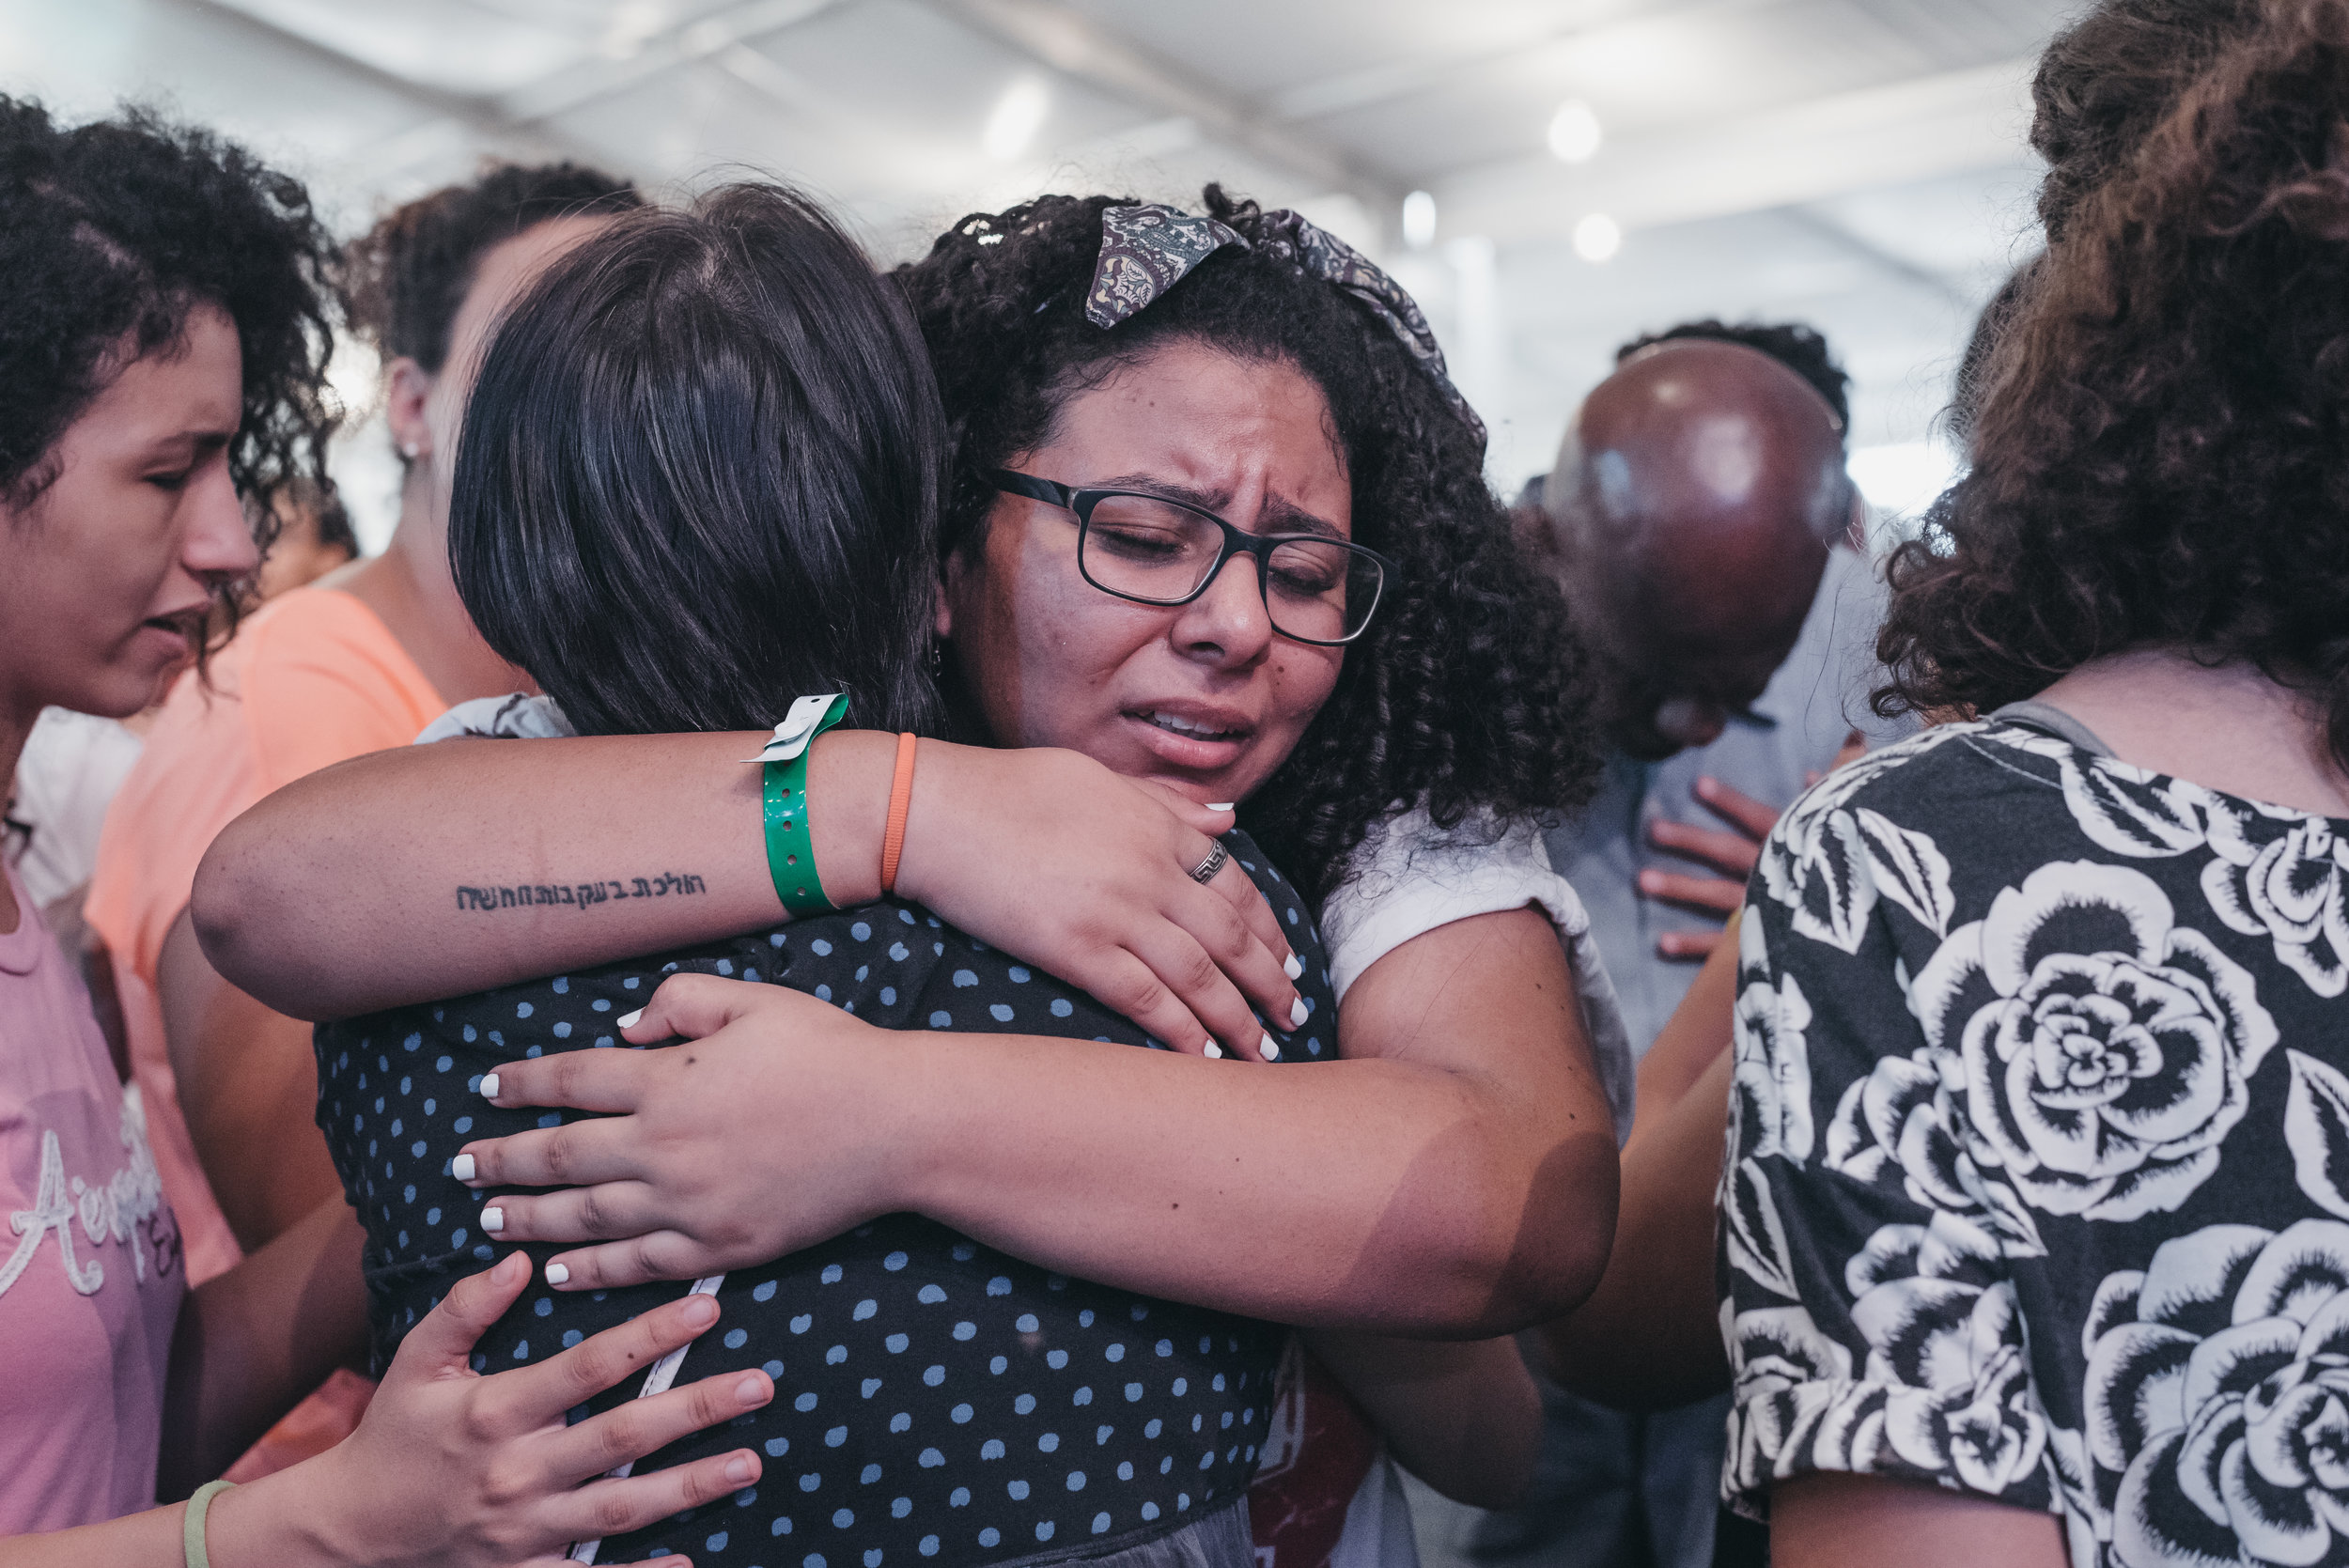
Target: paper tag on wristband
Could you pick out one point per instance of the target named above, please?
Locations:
(809, 716)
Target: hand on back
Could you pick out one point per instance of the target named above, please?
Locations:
(737, 1147)
(1731, 854)
(450, 1468)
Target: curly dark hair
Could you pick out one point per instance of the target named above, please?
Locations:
(405, 278)
(1974, 366)
(110, 233)
(2162, 455)
(2110, 78)
(1469, 692)
(1798, 348)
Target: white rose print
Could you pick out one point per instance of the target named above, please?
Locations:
(1947, 1360)
(2316, 1129)
(2121, 808)
(2217, 1399)
(1904, 1125)
(2284, 874)
(1770, 1098)
(1829, 864)
(2105, 1049)
(1787, 1376)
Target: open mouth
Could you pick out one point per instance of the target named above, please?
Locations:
(183, 624)
(1191, 729)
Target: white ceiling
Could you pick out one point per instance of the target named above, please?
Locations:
(1856, 163)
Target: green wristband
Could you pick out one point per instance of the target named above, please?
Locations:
(791, 849)
(192, 1525)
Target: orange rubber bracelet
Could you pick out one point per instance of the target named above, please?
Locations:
(900, 799)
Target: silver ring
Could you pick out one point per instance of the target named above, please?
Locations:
(1218, 858)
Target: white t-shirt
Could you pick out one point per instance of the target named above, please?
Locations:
(73, 765)
(1410, 876)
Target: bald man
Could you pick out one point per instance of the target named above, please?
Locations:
(1689, 519)
(1699, 520)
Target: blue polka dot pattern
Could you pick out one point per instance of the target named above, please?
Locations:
(937, 1401)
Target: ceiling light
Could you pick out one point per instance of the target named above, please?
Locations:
(1419, 220)
(1598, 238)
(1016, 119)
(631, 23)
(1574, 133)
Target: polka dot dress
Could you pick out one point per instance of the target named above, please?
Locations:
(937, 1402)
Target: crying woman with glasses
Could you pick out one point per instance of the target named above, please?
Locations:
(1212, 584)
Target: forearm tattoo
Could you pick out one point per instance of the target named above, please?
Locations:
(579, 895)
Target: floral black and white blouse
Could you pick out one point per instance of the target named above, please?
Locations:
(2038, 1171)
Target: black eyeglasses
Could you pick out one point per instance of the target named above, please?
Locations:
(1153, 550)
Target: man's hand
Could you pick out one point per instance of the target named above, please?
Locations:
(1731, 853)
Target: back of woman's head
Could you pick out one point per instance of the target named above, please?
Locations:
(699, 476)
(1465, 692)
(2162, 453)
(110, 233)
(2105, 82)
(405, 278)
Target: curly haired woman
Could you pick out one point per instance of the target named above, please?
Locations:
(1455, 1174)
(2035, 1218)
(162, 363)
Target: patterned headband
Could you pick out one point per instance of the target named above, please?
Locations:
(1148, 249)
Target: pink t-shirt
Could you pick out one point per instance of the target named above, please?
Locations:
(92, 1275)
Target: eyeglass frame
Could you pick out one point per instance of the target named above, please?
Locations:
(1236, 541)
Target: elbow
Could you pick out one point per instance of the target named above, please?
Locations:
(230, 908)
(1566, 1228)
(1513, 1244)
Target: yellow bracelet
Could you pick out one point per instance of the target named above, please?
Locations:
(191, 1528)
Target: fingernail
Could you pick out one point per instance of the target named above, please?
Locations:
(738, 1468)
(1215, 1050)
(493, 1220)
(489, 1086)
(1226, 806)
(751, 1390)
(1297, 1014)
(627, 1020)
(462, 1168)
(1293, 968)
(558, 1275)
(700, 1311)
(1271, 1052)
(507, 1264)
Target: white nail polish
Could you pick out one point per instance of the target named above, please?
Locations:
(627, 1020)
(557, 1274)
(462, 1168)
(1297, 1014)
(1293, 968)
(1226, 806)
(1270, 1051)
(489, 1086)
(493, 1220)
(1215, 1050)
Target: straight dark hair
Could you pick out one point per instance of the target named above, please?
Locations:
(700, 475)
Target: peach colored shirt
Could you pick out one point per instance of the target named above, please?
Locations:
(312, 678)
